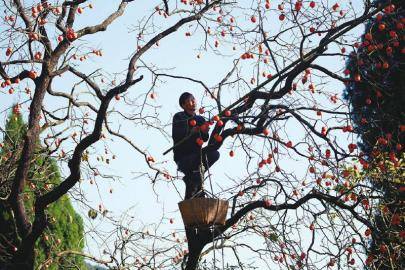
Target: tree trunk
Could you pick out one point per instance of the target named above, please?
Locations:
(23, 259)
(195, 247)
(197, 239)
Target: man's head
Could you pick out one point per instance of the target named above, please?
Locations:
(188, 102)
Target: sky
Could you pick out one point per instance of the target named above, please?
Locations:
(133, 194)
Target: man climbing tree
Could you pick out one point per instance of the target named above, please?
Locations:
(189, 132)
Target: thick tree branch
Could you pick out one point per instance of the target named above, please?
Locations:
(289, 206)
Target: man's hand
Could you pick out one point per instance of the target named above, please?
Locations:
(195, 129)
(205, 127)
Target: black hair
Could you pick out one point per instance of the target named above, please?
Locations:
(184, 97)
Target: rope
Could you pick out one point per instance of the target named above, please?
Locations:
(213, 226)
(202, 171)
(213, 246)
(209, 175)
(223, 260)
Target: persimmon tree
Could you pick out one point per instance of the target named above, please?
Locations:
(298, 202)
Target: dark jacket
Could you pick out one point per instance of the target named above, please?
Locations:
(181, 129)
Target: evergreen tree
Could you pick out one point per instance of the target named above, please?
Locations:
(65, 229)
(377, 99)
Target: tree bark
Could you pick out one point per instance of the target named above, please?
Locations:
(197, 239)
(23, 259)
(195, 247)
(194, 255)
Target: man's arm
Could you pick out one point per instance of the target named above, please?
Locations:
(179, 128)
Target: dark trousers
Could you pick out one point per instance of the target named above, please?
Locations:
(190, 166)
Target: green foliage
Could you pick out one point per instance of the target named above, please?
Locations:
(386, 250)
(65, 229)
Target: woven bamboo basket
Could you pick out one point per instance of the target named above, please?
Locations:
(200, 212)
